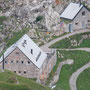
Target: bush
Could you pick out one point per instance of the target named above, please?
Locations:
(2, 18)
(39, 18)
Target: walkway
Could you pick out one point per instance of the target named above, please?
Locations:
(46, 48)
(83, 49)
(57, 73)
(75, 75)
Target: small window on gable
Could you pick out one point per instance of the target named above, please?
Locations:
(14, 71)
(17, 53)
(19, 71)
(6, 62)
(24, 72)
(11, 61)
(31, 51)
(88, 21)
(22, 62)
(83, 13)
(76, 23)
(28, 62)
(17, 62)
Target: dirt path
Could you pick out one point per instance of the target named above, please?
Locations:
(46, 48)
(57, 73)
(73, 78)
(83, 49)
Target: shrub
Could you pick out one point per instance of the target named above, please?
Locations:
(39, 18)
(2, 18)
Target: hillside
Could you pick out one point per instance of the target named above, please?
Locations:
(11, 81)
(34, 15)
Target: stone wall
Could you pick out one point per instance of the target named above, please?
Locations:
(17, 62)
(47, 66)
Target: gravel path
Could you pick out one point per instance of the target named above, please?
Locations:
(83, 49)
(46, 48)
(75, 75)
(57, 73)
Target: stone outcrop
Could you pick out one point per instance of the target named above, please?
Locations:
(52, 18)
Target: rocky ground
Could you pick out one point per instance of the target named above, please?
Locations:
(41, 17)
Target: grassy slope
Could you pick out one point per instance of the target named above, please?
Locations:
(83, 81)
(65, 43)
(15, 38)
(80, 58)
(8, 82)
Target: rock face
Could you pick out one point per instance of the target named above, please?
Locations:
(22, 14)
(52, 18)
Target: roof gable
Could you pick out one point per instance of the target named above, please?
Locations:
(25, 44)
(71, 11)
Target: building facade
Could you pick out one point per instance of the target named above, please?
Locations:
(78, 16)
(25, 58)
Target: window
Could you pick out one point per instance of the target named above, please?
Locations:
(28, 62)
(31, 51)
(19, 71)
(76, 23)
(14, 71)
(22, 62)
(88, 21)
(83, 13)
(11, 61)
(6, 62)
(17, 62)
(17, 53)
(24, 72)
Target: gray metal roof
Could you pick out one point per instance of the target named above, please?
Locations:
(25, 44)
(71, 11)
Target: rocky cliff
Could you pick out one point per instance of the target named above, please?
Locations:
(37, 15)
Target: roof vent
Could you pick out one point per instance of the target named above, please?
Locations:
(24, 43)
(38, 56)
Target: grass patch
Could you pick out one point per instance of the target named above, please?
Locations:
(52, 73)
(83, 81)
(65, 20)
(2, 18)
(16, 37)
(80, 58)
(85, 43)
(66, 43)
(24, 83)
(54, 37)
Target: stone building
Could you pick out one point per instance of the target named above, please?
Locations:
(25, 58)
(76, 16)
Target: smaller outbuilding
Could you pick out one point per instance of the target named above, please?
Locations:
(76, 16)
